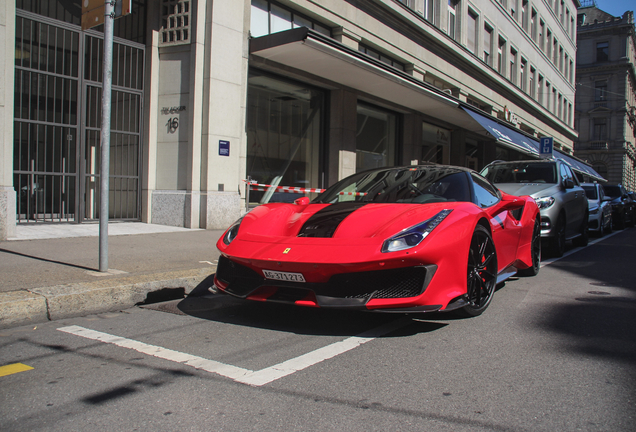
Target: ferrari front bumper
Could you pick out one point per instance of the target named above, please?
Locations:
(356, 290)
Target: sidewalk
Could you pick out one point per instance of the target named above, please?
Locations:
(50, 271)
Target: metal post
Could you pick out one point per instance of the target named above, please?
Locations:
(247, 193)
(107, 82)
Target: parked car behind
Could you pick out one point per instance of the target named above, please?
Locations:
(600, 209)
(623, 211)
(557, 192)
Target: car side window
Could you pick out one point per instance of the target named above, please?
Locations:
(485, 194)
(565, 174)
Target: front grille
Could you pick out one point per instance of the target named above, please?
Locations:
(241, 280)
(397, 283)
(381, 284)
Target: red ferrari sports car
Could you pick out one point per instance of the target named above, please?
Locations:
(401, 239)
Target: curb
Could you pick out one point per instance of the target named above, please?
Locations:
(78, 299)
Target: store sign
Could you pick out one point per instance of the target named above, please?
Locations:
(224, 148)
(511, 117)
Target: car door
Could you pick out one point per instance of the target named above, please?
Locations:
(574, 202)
(506, 229)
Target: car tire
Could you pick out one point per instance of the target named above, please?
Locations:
(631, 220)
(535, 251)
(610, 228)
(584, 236)
(620, 224)
(557, 248)
(601, 228)
(481, 273)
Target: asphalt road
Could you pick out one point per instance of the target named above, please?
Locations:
(552, 353)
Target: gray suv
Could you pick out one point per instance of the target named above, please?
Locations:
(557, 192)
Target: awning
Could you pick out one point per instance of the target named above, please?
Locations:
(506, 135)
(309, 51)
(520, 142)
(579, 166)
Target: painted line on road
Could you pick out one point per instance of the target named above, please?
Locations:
(241, 375)
(13, 369)
(304, 361)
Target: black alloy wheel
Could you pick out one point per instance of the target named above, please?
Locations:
(620, 224)
(481, 273)
(601, 228)
(610, 227)
(584, 237)
(535, 251)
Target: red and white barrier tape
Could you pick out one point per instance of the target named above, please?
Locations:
(290, 189)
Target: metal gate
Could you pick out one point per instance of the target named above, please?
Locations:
(58, 74)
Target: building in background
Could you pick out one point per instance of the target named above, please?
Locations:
(297, 93)
(606, 94)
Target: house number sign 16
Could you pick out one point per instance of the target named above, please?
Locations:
(173, 124)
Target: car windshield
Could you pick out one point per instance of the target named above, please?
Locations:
(401, 185)
(591, 193)
(613, 191)
(521, 172)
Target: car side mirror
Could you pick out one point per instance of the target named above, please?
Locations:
(302, 201)
(606, 199)
(569, 183)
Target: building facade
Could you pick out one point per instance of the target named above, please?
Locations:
(301, 93)
(606, 94)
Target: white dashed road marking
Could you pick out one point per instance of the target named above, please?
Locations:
(245, 376)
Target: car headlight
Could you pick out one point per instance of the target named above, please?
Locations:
(594, 210)
(545, 202)
(411, 237)
(231, 233)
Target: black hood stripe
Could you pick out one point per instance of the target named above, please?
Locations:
(325, 221)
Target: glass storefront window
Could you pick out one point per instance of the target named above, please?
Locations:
(283, 137)
(375, 138)
(435, 144)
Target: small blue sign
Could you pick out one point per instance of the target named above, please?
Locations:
(545, 149)
(224, 148)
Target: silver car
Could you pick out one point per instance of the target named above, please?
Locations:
(600, 219)
(557, 192)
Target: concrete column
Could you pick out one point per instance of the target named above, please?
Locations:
(342, 132)
(7, 56)
(223, 115)
(458, 148)
(197, 81)
(151, 104)
(411, 150)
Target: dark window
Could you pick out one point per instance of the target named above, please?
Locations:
(375, 54)
(600, 92)
(600, 129)
(471, 43)
(602, 51)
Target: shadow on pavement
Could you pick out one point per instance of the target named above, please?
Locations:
(599, 319)
(292, 319)
(46, 260)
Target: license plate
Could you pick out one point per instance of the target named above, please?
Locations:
(284, 276)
